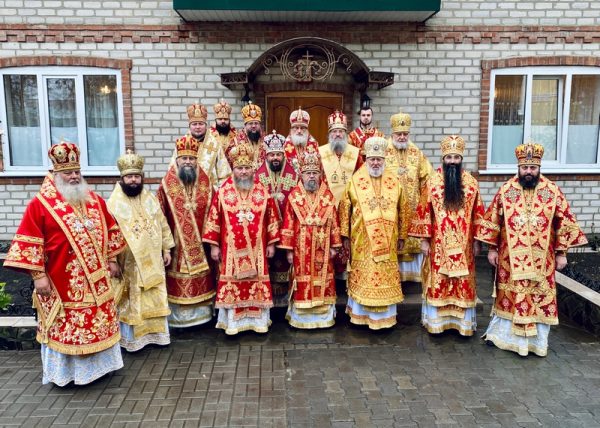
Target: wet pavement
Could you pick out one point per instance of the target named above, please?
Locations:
(345, 376)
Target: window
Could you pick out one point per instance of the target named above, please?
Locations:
(40, 106)
(558, 107)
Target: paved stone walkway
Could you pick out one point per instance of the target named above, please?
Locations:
(345, 376)
(342, 377)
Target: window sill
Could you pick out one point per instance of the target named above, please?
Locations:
(546, 171)
(42, 173)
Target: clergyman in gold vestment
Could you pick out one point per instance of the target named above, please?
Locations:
(372, 214)
(141, 292)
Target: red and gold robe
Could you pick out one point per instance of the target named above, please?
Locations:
(358, 137)
(242, 229)
(310, 229)
(189, 280)
(292, 153)
(448, 274)
(72, 246)
(279, 188)
(259, 148)
(528, 227)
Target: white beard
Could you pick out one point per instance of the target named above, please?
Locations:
(73, 194)
(300, 140)
(399, 145)
(375, 172)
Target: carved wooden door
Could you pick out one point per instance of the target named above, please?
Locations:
(319, 106)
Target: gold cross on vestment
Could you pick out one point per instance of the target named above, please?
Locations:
(320, 235)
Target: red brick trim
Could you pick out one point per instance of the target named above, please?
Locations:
(84, 61)
(257, 32)
(486, 68)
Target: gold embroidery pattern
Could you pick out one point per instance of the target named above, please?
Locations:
(77, 282)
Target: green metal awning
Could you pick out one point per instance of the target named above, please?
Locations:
(307, 11)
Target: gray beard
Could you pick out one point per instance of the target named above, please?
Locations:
(375, 172)
(187, 175)
(73, 194)
(400, 146)
(338, 145)
(300, 140)
(311, 186)
(243, 183)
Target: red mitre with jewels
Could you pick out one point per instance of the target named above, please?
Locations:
(529, 154)
(64, 157)
(187, 146)
(300, 117)
(337, 120)
(310, 161)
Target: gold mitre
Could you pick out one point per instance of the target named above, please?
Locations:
(453, 145)
(529, 153)
(130, 163)
(375, 147)
(242, 155)
(222, 110)
(251, 112)
(197, 113)
(400, 122)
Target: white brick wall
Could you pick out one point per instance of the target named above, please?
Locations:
(517, 12)
(438, 84)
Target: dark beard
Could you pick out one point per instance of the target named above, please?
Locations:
(454, 194)
(275, 168)
(528, 184)
(223, 129)
(187, 175)
(132, 190)
(253, 136)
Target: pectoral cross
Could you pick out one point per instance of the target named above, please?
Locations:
(244, 216)
(287, 182)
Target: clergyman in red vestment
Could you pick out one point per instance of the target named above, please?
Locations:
(242, 228)
(311, 236)
(68, 242)
(184, 195)
(529, 228)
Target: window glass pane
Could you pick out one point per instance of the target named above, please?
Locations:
(101, 113)
(24, 135)
(582, 142)
(62, 110)
(544, 114)
(508, 120)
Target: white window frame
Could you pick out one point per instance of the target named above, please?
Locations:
(564, 74)
(42, 74)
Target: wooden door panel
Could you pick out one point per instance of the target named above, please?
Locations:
(318, 105)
